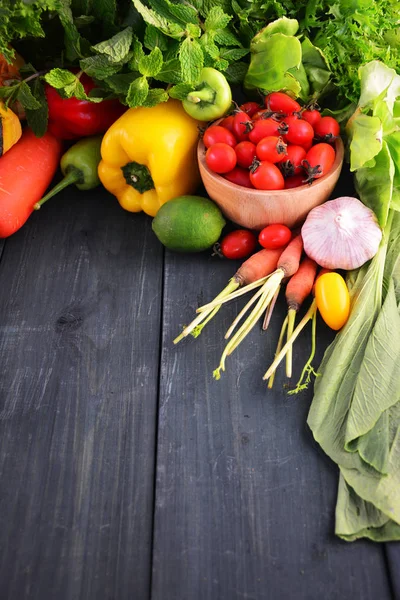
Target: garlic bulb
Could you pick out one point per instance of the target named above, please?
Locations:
(341, 234)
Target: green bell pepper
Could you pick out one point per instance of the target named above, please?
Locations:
(211, 98)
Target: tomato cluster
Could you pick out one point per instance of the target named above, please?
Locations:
(278, 146)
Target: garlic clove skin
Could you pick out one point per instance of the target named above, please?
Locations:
(341, 234)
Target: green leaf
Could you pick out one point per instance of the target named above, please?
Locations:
(151, 64)
(315, 65)
(116, 48)
(26, 97)
(137, 92)
(153, 18)
(170, 71)
(284, 26)
(59, 78)
(155, 96)
(183, 13)
(68, 84)
(137, 55)
(73, 39)
(236, 72)
(233, 54)
(393, 142)
(374, 184)
(269, 66)
(191, 59)
(366, 139)
(193, 31)
(99, 66)
(154, 39)
(225, 37)
(376, 80)
(106, 12)
(180, 91)
(120, 83)
(216, 19)
(37, 118)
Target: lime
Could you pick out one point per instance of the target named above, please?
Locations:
(188, 224)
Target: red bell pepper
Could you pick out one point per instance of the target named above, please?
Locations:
(70, 118)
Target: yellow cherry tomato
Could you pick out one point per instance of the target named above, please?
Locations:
(333, 300)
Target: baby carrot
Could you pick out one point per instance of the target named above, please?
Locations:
(298, 288)
(288, 264)
(251, 274)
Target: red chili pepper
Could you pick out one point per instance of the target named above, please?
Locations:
(70, 118)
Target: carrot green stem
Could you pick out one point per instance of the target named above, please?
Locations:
(289, 355)
(270, 309)
(247, 288)
(308, 370)
(206, 315)
(268, 291)
(72, 177)
(281, 355)
(243, 312)
(278, 349)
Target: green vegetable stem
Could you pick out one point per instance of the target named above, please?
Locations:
(211, 98)
(79, 166)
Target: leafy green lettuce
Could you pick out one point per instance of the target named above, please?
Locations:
(355, 413)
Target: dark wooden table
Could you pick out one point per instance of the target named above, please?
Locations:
(127, 472)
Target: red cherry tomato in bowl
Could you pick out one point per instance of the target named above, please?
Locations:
(242, 126)
(238, 244)
(312, 116)
(267, 176)
(274, 236)
(327, 129)
(239, 176)
(217, 134)
(227, 122)
(246, 153)
(221, 158)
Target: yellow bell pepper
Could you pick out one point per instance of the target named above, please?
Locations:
(10, 128)
(149, 157)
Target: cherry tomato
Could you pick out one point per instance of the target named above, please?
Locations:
(311, 116)
(333, 300)
(282, 103)
(221, 158)
(299, 132)
(246, 153)
(291, 163)
(250, 108)
(319, 161)
(274, 236)
(327, 129)
(267, 176)
(239, 176)
(241, 126)
(238, 244)
(227, 123)
(265, 127)
(294, 181)
(271, 148)
(217, 134)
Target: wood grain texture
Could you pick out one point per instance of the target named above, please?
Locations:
(393, 556)
(244, 497)
(79, 335)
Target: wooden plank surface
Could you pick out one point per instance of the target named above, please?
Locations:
(79, 334)
(393, 556)
(244, 497)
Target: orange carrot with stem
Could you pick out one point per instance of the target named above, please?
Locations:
(299, 286)
(251, 274)
(288, 264)
(282, 352)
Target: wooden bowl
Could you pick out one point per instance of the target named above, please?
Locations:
(254, 209)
